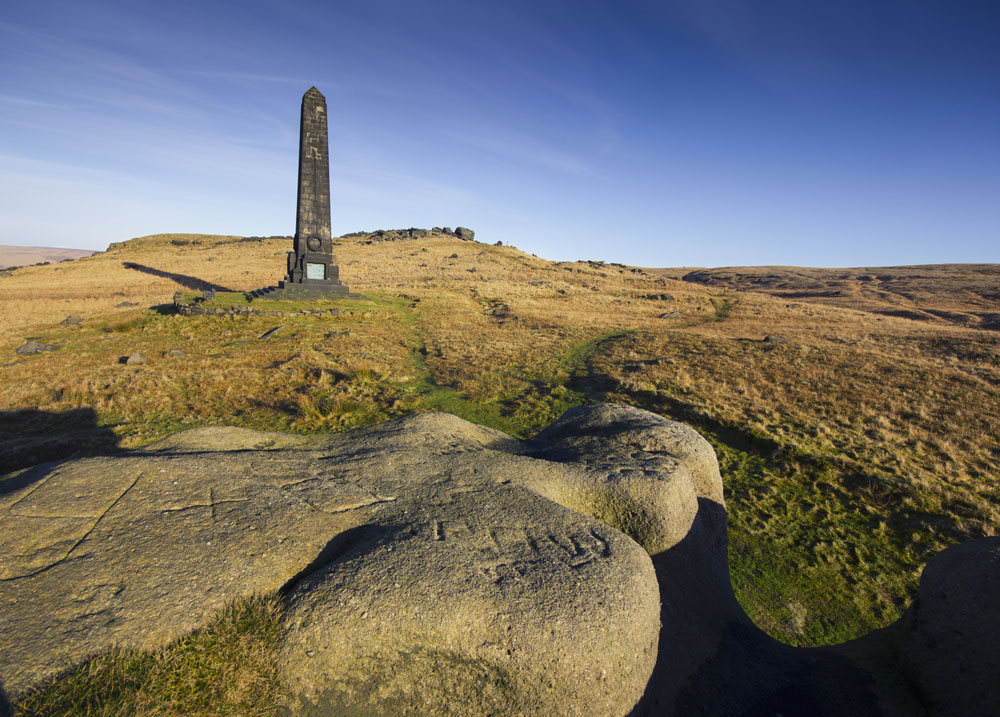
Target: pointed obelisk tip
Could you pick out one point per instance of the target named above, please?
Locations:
(314, 92)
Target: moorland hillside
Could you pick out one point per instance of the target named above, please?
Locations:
(962, 294)
(854, 443)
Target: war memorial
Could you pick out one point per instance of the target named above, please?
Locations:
(312, 268)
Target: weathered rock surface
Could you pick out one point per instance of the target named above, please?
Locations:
(33, 347)
(431, 566)
(142, 548)
(472, 594)
(424, 545)
(950, 637)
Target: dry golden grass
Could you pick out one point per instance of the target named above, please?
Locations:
(851, 453)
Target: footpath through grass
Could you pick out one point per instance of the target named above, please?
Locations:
(529, 397)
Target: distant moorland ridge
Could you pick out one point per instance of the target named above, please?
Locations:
(11, 256)
(963, 294)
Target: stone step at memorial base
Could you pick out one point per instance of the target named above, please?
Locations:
(302, 292)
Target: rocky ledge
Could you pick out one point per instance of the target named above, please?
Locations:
(437, 567)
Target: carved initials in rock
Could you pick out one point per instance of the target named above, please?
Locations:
(576, 549)
(507, 552)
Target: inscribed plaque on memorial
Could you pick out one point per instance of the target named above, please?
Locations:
(315, 271)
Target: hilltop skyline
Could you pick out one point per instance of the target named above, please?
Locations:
(660, 134)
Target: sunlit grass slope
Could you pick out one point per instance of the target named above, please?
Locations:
(851, 452)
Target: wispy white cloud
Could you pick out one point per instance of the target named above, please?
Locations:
(564, 82)
(59, 204)
(80, 60)
(19, 169)
(27, 102)
(248, 77)
(522, 148)
(126, 114)
(85, 75)
(51, 203)
(170, 148)
(386, 186)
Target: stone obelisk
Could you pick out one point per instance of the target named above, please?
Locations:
(312, 268)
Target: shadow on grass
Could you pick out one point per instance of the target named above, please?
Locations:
(164, 309)
(707, 641)
(188, 282)
(29, 437)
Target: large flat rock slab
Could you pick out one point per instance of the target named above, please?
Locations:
(137, 550)
(429, 564)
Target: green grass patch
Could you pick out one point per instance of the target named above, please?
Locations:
(516, 399)
(230, 667)
(723, 307)
(228, 299)
(323, 305)
(810, 563)
(581, 353)
(189, 297)
(806, 567)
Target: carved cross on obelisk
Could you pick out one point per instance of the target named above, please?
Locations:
(312, 265)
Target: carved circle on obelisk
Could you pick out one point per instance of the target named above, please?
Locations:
(314, 243)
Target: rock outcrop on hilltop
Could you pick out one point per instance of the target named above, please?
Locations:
(430, 565)
(380, 235)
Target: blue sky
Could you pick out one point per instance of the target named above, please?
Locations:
(667, 133)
